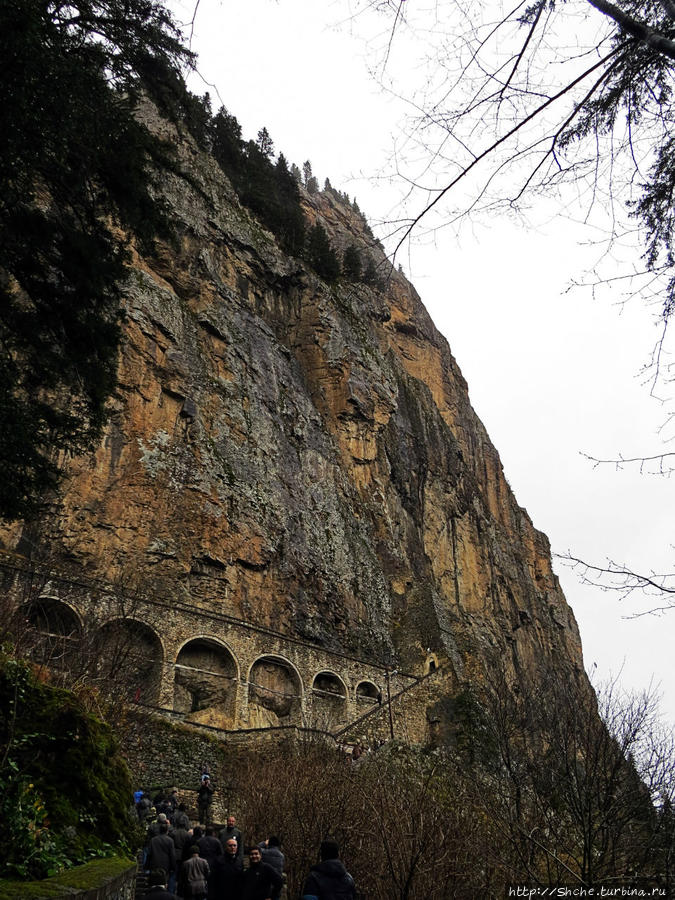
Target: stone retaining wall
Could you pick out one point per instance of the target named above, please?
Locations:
(122, 887)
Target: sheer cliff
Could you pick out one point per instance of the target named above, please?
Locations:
(304, 456)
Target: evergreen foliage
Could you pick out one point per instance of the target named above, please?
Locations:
(321, 255)
(269, 190)
(371, 276)
(306, 172)
(265, 143)
(64, 788)
(72, 159)
(351, 264)
(312, 186)
(228, 147)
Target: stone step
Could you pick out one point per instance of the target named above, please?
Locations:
(141, 881)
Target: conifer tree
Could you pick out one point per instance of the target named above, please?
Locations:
(74, 160)
(306, 172)
(351, 264)
(321, 255)
(371, 276)
(312, 186)
(228, 147)
(265, 143)
(296, 173)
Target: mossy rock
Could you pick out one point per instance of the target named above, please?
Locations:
(83, 878)
(72, 761)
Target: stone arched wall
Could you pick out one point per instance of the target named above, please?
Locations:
(206, 677)
(275, 693)
(130, 655)
(328, 701)
(146, 651)
(54, 631)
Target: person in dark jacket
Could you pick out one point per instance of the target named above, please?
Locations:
(181, 818)
(209, 846)
(329, 880)
(204, 800)
(158, 889)
(272, 855)
(260, 881)
(181, 838)
(197, 835)
(225, 878)
(162, 853)
(231, 831)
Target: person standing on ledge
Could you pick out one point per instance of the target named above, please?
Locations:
(205, 799)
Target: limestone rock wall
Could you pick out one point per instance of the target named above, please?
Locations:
(305, 457)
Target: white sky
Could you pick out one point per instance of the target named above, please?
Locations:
(550, 372)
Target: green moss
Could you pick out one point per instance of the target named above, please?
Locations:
(66, 788)
(82, 878)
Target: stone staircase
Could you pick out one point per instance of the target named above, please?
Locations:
(141, 881)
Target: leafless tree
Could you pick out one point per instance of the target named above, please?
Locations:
(568, 103)
(104, 664)
(579, 790)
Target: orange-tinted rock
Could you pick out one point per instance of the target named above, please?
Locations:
(306, 457)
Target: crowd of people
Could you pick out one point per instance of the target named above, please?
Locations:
(203, 862)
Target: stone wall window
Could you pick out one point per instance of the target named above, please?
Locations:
(330, 685)
(367, 692)
(329, 696)
(52, 630)
(205, 683)
(130, 658)
(274, 693)
(431, 663)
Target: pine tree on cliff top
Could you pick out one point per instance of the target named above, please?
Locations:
(73, 158)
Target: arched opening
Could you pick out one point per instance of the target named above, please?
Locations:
(328, 683)
(274, 693)
(205, 683)
(129, 659)
(431, 663)
(55, 631)
(367, 692)
(328, 700)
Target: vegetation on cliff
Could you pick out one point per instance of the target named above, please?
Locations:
(64, 789)
(75, 190)
(539, 793)
(74, 175)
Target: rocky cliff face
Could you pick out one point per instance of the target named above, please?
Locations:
(305, 456)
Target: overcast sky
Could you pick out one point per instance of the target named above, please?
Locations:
(551, 371)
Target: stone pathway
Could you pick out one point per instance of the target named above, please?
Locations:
(141, 881)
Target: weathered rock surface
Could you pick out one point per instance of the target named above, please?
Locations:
(306, 457)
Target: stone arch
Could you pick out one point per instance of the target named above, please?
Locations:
(130, 656)
(274, 692)
(56, 627)
(52, 615)
(431, 663)
(368, 692)
(327, 682)
(329, 695)
(206, 675)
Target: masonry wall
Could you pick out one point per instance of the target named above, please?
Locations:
(202, 667)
